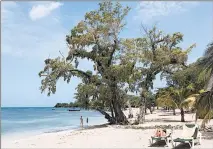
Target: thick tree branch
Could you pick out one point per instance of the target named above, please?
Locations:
(73, 70)
(113, 51)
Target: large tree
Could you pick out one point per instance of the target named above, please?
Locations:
(95, 38)
(155, 53)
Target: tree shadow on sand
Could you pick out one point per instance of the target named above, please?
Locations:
(169, 114)
(185, 146)
(182, 146)
(179, 146)
(158, 144)
(207, 135)
(156, 120)
(169, 121)
(166, 120)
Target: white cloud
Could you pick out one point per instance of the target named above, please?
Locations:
(43, 10)
(24, 38)
(151, 10)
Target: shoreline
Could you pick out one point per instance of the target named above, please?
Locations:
(119, 136)
(43, 121)
(7, 139)
(35, 133)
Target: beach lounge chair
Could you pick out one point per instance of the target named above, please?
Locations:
(166, 138)
(190, 135)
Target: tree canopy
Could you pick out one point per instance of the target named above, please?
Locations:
(155, 53)
(122, 65)
(95, 38)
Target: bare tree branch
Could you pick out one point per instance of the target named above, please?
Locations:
(61, 54)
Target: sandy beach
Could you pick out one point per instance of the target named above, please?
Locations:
(111, 136)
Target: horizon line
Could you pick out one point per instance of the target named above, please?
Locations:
(26, 106)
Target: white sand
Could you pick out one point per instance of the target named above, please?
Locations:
(108, 137)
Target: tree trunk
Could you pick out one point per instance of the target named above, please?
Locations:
(141, 116)
(174, 113)
(209, 85)
(119, 115)
(87, 101)
(130, 110)
(182, 115)
(196, 117)
(150, 109)
(107, 116)
(203, 125)
(111, 109)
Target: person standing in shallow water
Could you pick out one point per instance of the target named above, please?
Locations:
(87, 121)
(81, 122)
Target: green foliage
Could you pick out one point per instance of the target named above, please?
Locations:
(207, 60)
(99, 30)
(118, 61)
(61, 105)
(68, 105)
(134, 101)
(204, 104)
(154, 53)
(58, 68)
(182, 84)
(188, 82)
(95, 38)
(204, 107)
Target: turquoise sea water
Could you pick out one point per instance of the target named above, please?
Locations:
(36, 120)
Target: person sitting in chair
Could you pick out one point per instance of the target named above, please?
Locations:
(160, 132)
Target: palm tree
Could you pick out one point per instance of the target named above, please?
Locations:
(176, 97)
(204, 104)
(165, 99)
(207, 64)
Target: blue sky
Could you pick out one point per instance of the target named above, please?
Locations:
(33, 31)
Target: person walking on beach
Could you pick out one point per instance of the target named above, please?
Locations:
(81, 122)
(87, 121)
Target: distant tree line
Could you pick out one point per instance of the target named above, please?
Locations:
(133, 100)
(68, 105)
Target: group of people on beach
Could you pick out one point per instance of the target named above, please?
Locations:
(82, 121)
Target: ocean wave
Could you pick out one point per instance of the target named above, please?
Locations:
(29, 121)
(59, 129)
